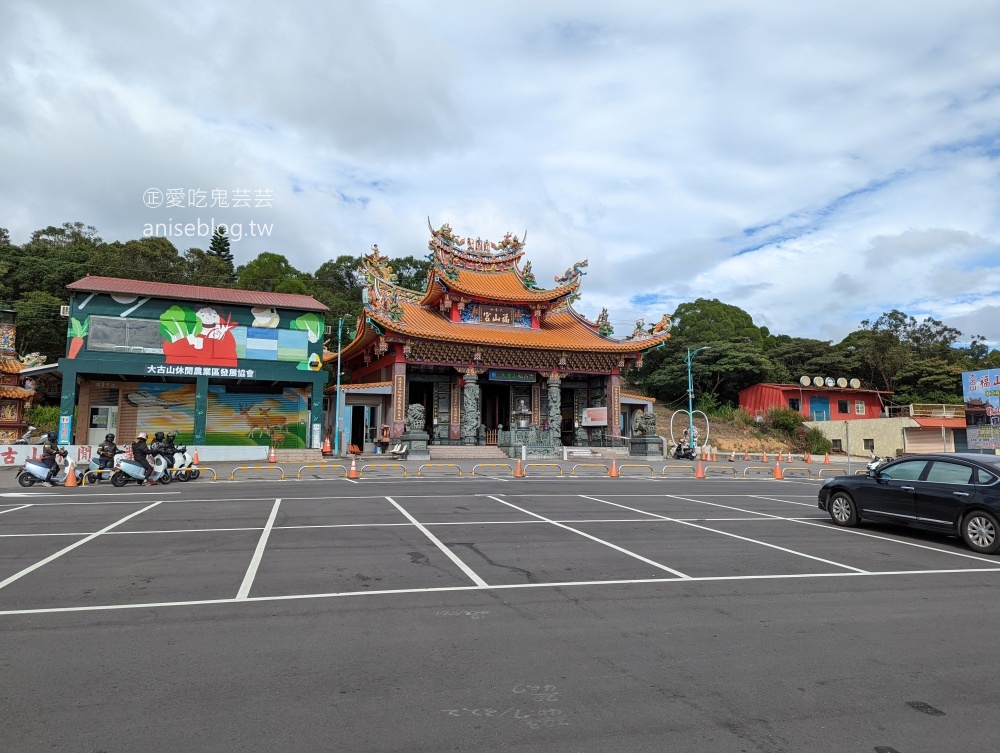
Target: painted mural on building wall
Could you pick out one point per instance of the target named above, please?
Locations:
(205, 335)
(981, 394)
(234, 418)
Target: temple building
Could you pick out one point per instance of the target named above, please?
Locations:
(484, 355)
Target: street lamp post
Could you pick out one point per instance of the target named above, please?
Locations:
(339, 426)
(690, 355)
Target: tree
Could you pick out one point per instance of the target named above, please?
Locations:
(411, 272)
(202, 268)
(40, 328)
(219, 248)
(708, 321)
(153, 258)
(268, 272)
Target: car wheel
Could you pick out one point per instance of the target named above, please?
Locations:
(843, 511)
(25, 479)
(981, 532)
(119, 479)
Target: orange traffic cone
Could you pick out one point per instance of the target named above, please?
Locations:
(779, 456)
(699, 471)
(746, 454)
(353, 473)
(271, 457)
(806, 457)
(613, 473)
(326, 445)
(715, 455)
(777, 471)
(518, 470)
(763, 457)
(195, 461)
(732, 458)
(70, 475)
(826, 460)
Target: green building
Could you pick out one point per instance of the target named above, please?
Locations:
(236, 369)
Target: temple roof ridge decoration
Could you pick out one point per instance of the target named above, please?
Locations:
(482, 294)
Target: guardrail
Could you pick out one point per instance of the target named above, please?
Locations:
(685, 470)
(589, 465)
(492, 465)
(726, 470)
(381, 465)
(793, 472)
(543, 465)
(623, 466)
(758, 470)
(832, 472)
(257, 468)
(439, 465)
(319, 467)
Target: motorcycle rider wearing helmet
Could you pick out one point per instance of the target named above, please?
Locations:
(169, 448)
(141, 453)
(159, 447)
(106, 452)
(50, 450)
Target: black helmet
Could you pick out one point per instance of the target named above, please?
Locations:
(52, 436)
(109, 437)
(171, 435)
(158, 436)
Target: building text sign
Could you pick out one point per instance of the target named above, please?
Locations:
(981, 395)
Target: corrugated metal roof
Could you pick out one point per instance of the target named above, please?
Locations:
(118, 286)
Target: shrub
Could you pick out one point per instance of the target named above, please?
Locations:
(45, 417)
(784, 420)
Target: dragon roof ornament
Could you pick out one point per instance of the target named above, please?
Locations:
(449, 251)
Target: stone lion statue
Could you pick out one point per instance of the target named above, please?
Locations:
(415, 417)
(646, 424)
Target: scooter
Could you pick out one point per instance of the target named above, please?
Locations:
(27, 438)
(36, 472)
(95, 474)
(130, 471)
(682, 452)
(183, 460)
(876, 462)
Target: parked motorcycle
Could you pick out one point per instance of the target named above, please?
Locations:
(95, 474)
(876, 462)
(129, 471)
(36, 472)
(682, 452)
(27, 438)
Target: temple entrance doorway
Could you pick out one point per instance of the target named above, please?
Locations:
(423, 394)
(496, 409)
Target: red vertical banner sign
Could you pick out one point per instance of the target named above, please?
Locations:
(398, 399)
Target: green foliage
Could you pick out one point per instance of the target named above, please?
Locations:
(816, 443)
(219, 247)
(45, 417)
(783, 420)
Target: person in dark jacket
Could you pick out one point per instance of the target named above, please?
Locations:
(106, 452)
(50, 451)
(141, 453)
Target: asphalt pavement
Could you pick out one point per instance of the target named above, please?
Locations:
(485, 613)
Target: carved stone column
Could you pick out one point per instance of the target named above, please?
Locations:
(614, 405)
(472, 415)
(555, 407)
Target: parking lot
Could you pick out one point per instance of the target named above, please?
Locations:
(485, 613)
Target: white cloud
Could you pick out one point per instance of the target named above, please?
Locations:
(813, 163)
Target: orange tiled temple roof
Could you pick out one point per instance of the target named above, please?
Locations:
(490, 272)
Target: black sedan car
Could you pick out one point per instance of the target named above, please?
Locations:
(956, 493)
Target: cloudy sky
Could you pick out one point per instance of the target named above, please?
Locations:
(814, 163)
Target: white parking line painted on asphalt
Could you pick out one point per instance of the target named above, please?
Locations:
(593, 521)
(617, 548)
(733, 535)
(258, 554)
(71, 547)
(14, 509)
(505, 587)
(831, 527)
(440, 545)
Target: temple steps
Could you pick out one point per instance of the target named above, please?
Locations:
(298, 456)
(459, 452)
